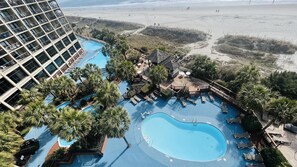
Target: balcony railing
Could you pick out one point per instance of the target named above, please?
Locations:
(54, 5)
(53, 37)
(9, 18)
(51, 16)
(31, 24)
(3, 5)
(24, 14)
(34, 48)
(15, 2)
(2, 52)
(35, 10)
(7, 65)
(18, 29)
(45, 8)
(41, 20)
(45, 42)
(20, 56)
(29, 1)
(13, 46)
(48, 29)
(38, 34)
(5, 34)
(27, 39)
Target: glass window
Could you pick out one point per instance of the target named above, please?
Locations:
(72, 37)
(51, 68)
(4, 86)
(66, 55)
(51, 51)
(77, 45)
(29, 84)
(42, 58)
(59, 61)
(42, 74)
(72, 50)
(17, 75)
(31, 65)
(66, 41)
(60, 45)
(13, 99)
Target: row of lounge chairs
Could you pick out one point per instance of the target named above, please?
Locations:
(150, 98)
(236, 120)
(245, 135)
(242, 145)
(253, 157)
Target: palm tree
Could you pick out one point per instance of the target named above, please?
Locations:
(255, 97)
(38, 114)
(114, 122)
(10, 142)
(65, 87)
(158, 74)
(8, 122)
(112, 68)
(94, 82)
(7, 159)
(76, 74)
(28, 96)
(108, 95)
(91, 69)
(283, 110)
(249, 73)
(126, 71)
(71, 124)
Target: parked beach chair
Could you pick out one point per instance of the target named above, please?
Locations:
(256, 165)
(148, 99)
(234, 120)
(183, 102)
(242, 135)
(224, 108)
(191, 100)
(242, 145)
(203, 99)
(137, 98)
(253, 157)
(211, 98)
(153, 96)
(133, 101)
(281, 140)
(274, 133)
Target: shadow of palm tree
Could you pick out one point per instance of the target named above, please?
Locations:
(118, 157)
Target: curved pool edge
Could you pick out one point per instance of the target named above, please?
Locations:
(172, 118)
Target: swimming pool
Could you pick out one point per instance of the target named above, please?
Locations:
(64, 143)
(200, 142)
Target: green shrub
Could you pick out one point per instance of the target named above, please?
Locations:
(251, 123)
(274, 158)
(25, 131)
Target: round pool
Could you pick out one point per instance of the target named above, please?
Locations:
(200, 142)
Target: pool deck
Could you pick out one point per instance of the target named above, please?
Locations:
(141, 154)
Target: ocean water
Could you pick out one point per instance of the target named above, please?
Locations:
(83, 3)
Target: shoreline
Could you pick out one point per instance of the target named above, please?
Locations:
(264, 21)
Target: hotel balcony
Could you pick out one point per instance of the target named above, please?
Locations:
(37, 32)
(53, 4)
(3, 5)
(53, 36)
(22, 12)
(9, 18)
(4, 33)
(34, 9)
(31, 23)
(18, 29)
(27, 39)
(33, 47)
(29, 1)
(6, 62)
(47, 28)
(50, 16)
(58, 13)
(15, 2)
(11, 44)
(44, 41)
(44, 7)
(20, 54)
(2, 52)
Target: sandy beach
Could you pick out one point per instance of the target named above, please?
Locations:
(265, 21)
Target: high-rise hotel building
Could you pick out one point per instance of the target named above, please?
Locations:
(36, 41)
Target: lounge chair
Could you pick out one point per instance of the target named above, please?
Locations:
(133, 100)
(211, 98)
(242, 135)
(137, 98)
(224, 108)
(242, 145)
(281, 140)
(183, 102)
(148, 99)
(253, 157)
(191, 100)
(234, 120)
(274, 133)
(203, 99)
(291, 128)
(256, 165)
(153, 96)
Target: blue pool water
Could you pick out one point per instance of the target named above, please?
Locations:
(186, 141)
(64, 143)
(89, 109)
(93, 53)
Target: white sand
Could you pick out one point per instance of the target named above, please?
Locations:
(266, 21)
